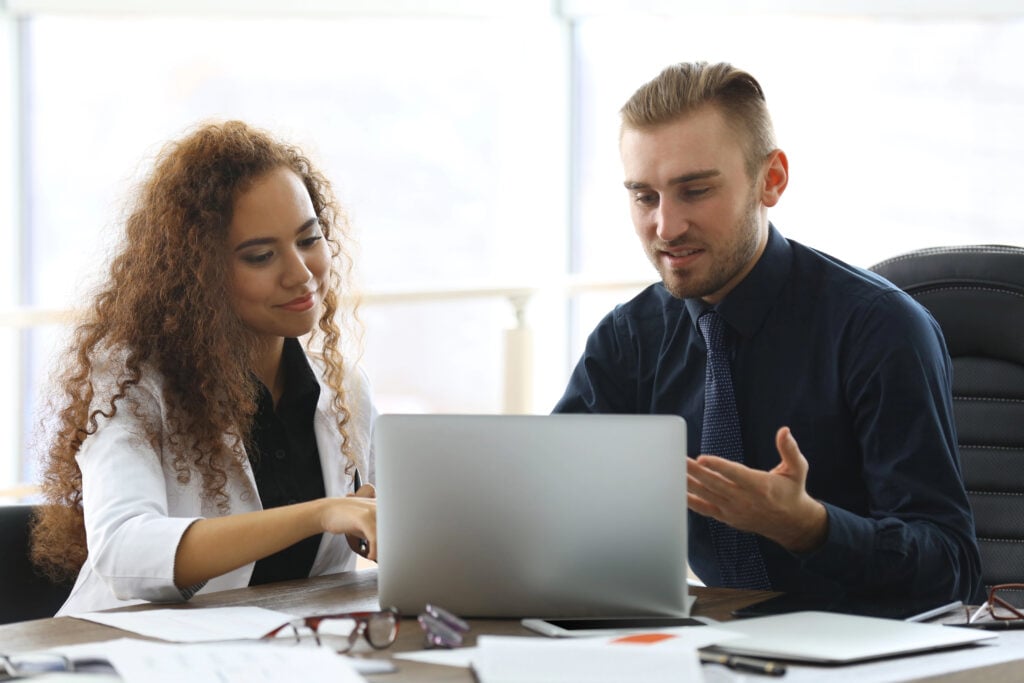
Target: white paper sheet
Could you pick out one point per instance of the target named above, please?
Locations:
(140, 661)
(535, 660)
(144, 662)
(194, 625)
(688, 637)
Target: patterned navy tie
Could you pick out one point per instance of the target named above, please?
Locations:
(739, 558)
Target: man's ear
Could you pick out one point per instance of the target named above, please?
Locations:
(776, 177)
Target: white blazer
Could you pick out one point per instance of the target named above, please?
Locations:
(136, 510)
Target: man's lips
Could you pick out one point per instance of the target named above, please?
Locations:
(679, 253)
(678, 257)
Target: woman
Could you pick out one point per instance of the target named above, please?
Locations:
(197, 446)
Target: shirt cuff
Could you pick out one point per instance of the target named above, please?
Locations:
(187, 593)
(847, 543)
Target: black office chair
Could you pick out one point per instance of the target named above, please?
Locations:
(976, 293)
(24, 593)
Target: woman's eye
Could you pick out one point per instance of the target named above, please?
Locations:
(310, 241)
(257, 259)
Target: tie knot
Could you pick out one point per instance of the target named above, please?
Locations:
(713, 328)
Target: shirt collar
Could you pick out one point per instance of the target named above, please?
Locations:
(300, 384)
(746, 306)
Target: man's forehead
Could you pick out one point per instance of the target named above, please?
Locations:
(698, 142)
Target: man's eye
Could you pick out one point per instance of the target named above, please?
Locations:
(694, 192)
(645, 198)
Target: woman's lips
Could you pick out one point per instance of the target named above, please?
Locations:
(300, 304)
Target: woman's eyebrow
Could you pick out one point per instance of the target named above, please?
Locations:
(255, 241)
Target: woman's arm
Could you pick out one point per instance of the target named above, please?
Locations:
(215, 546)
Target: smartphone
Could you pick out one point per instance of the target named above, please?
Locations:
(599, 626)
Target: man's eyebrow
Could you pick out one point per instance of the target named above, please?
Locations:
(678, 180)
(256, 241)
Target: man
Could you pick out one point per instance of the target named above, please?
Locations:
(870, 500)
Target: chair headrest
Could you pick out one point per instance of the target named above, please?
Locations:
(975, 293)
(996, 264)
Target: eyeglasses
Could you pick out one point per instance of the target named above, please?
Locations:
(441, 628)
(999, 605)
(341, 631)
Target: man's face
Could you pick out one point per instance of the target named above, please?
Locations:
(701, 218)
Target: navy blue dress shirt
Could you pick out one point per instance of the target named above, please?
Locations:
(858, 371)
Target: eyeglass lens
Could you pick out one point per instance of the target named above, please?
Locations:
(1006, 601)
(342, 632)
(30, 665)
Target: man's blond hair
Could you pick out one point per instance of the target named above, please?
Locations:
(681, 89)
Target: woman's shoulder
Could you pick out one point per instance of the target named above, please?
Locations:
(112, 368)
(354, 378)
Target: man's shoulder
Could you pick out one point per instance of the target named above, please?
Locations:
(837, 278)
(849, 291)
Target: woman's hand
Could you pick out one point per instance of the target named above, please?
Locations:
(215, 546)
(362, 539)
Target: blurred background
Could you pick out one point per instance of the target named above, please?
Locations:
(474, 144)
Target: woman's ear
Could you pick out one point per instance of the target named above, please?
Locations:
(776, 177)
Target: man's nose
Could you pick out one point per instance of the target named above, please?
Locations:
(672, 221)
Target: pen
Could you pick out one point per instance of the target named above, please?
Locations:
(357, 483)
(751, 664)
(924, 616)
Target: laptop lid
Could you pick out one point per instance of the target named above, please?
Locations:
(532, 515)
(830, 638)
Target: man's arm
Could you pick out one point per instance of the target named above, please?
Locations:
(599, 383)
(916, 535)
(774, 504)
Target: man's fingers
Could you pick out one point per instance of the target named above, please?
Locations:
(789, 451)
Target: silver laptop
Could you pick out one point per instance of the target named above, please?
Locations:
(829, 638)
(532, 516)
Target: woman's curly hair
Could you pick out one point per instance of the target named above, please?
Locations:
(162, 309)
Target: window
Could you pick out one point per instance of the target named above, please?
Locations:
(476, 152)
(900, 133)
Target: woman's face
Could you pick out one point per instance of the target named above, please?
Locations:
(278, 257)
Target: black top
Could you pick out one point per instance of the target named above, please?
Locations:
(860, 373)
(286, 461)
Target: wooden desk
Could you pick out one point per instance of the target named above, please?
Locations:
(355, 591)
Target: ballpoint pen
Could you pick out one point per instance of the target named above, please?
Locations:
(357, 483)
(739, 663)
(932, 613)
